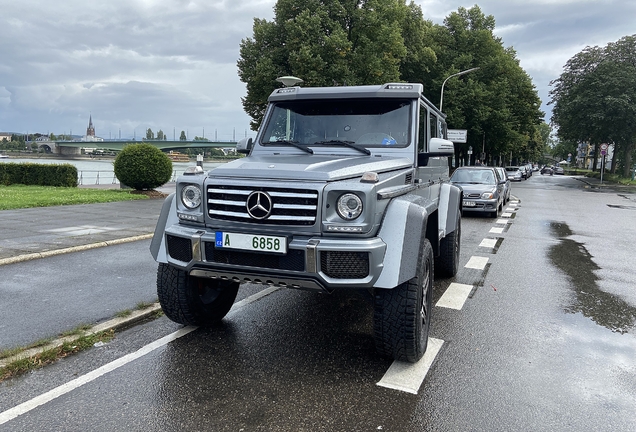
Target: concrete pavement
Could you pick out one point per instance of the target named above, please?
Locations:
(44, 231)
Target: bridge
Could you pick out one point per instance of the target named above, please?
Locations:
(162, 145)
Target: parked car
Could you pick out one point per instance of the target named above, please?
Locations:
(558, 170)
(546, 170)
(524, 172)
(514, 173)
(482, 187)
(503, 176)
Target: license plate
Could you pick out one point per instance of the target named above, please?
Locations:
(469, 203)
(251, 242)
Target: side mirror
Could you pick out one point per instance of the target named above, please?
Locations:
(244, 145)
(441, 147)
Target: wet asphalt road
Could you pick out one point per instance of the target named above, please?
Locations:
(544, 342)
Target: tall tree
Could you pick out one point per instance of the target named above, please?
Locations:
(498, 104)
(183, 137)
(325, 42)
(150, 135)
(595, 98)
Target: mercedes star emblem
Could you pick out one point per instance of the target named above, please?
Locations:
(259, 205)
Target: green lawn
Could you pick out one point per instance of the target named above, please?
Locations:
(20, 196)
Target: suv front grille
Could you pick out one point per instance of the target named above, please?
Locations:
(344, 264)
(289, 206)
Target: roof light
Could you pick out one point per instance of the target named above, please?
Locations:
(399, 87)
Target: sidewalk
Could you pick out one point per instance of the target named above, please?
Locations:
(36, 232)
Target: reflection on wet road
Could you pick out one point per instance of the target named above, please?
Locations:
(603, 308)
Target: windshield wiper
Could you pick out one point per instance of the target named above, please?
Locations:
(291, 143)
(349, 144)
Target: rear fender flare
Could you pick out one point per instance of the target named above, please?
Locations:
(450, 205)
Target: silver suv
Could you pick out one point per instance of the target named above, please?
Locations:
(342, 188)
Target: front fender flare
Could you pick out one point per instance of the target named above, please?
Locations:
(167, 217)
(403, 230)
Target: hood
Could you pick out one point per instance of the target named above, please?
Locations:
(471, 188)
(308, 167)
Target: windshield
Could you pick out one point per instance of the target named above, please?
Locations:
(477, 176)
(362, 122)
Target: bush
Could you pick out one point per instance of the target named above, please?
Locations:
(64, 175)
(143, 166)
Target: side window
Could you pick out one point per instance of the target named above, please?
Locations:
(435, 127)
(422, 139)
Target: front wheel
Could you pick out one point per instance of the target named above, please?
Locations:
(193, 301)
(402, 315)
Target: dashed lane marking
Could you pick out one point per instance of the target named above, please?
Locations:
(496, 230)
(408, 377)
(455, 296)
(506, 214)
(81, 230)
(488, 243)
(477, 262)
(503, 221)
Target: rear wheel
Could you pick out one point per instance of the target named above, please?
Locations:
(193, 301)
(402, 315)
(447, 263)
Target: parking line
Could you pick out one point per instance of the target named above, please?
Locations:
(408, 377)
(496, 230)
(455, 296)
(488, 243)
(477, 262)
(52, 394)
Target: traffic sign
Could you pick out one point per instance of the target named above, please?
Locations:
(604, 146)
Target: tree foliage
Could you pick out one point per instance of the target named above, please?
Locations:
(345, 42)
(595, 98)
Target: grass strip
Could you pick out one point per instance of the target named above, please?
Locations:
(21, 196)
(39, 360)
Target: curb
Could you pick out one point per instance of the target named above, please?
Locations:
(112, 324)
(54, 252)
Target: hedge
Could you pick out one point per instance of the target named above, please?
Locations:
(64, 175)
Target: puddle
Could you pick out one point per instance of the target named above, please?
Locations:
(574, 260)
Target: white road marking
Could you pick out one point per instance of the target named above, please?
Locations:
(477, 262)
(506, 214)
(503, 221)
(81, 230)
(408, 377)
(496, 230)
(488, 243)
(455, 296)
(44, 398)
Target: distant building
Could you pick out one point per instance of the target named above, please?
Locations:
(4, 135)
(90, 132)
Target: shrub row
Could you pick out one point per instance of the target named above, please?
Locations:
(64, 175)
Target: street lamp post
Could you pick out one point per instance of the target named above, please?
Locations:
(441, 96)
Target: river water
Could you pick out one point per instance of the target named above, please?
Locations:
(100, 171)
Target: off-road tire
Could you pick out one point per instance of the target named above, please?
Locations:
(402, 315)
(193, 301)
(447, 263)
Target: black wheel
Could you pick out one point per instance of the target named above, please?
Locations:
(495, 214)
(402, 315)
(193, 301)
(447, 263)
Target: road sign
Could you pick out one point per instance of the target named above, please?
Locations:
(604, 146)
(457, 135)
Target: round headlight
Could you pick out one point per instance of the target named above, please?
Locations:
(349, 206)
(191, 196)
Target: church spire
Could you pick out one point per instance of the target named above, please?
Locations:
(90, 130)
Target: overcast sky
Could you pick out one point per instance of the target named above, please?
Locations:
(171, 64)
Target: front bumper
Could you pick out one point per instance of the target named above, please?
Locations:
(318, 263)
(480, 205)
